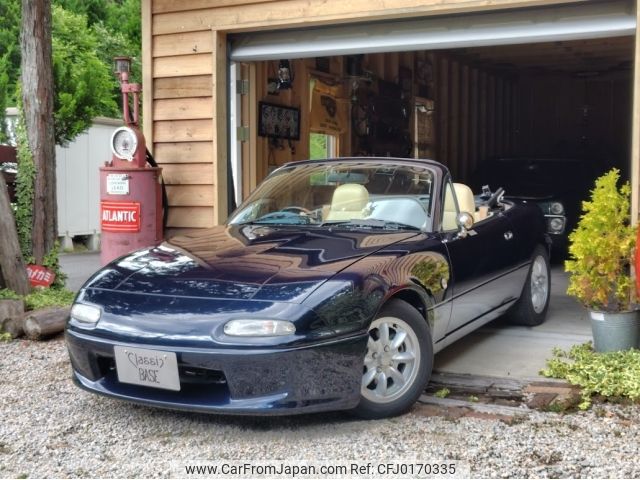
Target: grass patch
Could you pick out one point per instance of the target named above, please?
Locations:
(612, 375)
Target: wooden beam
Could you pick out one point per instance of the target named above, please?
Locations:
(164, 6)
(220, 127)
(454, 121)
(242, 16)
(483, 117)
(465, 124)
(499, 123)
(442, 108)
(147, 73)
(253, 128)
(491, 115)
(474, 103)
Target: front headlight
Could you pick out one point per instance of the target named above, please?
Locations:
(556, 208)
(85, 314)
(259, 328)
(556, 225)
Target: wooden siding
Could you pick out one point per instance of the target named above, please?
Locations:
(182, 87)
(185, 91)
(196, 15)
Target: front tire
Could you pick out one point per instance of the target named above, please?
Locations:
(398, 362)
(531, 308)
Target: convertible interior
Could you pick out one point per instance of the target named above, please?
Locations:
(353, 201)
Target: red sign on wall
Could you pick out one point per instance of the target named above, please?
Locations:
(40, 276)
(120, 216)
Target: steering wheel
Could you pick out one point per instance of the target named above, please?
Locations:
(298, 210)
(495, 198)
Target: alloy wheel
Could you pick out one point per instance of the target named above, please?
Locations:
(392, 360)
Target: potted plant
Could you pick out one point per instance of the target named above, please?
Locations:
(601, 250)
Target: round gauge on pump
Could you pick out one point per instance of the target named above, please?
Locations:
(124, 143)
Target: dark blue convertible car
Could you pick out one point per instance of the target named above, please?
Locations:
(331, 287)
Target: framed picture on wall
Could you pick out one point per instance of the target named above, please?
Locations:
(277, 121)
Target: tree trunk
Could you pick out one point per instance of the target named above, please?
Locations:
(14, 273)
(11, 313)
(37, 102)
(44, 323)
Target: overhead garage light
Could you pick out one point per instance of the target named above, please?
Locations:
(518, 26)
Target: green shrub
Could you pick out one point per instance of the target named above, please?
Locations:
(6, 294)
(601, 249)
(49, 297)
(611, 374)
(443, 393)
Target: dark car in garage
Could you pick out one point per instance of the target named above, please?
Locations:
(331, 287)
(557, 185)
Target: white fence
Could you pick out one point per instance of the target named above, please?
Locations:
(77, 176)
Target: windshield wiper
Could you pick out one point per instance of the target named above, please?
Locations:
(370, 223)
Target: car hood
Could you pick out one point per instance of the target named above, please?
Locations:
(243, 262)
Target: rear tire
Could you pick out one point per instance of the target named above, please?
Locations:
(398, 362)
(531, 309)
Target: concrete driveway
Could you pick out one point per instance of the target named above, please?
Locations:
(497, 349)
(503, 350)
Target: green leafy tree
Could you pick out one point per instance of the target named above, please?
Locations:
(9, 58)
(83, 81)
(84, 32)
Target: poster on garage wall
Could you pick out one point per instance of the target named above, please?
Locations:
(328, 110)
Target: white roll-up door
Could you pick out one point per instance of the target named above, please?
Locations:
(519, 26)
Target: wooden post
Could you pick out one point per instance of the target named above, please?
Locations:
(12, 265)
(465, 124)
(635, 129)
(220, 126)
(442, 110)
(454, 121)
(147, 73)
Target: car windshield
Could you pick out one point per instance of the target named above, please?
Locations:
(349, 194)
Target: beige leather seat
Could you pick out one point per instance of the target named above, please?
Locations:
(466, 203)
(348, 202)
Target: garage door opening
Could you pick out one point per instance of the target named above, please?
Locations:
(463, 107)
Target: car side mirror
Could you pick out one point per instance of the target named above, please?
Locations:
(465, 223)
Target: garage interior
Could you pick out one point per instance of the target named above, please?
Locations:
(559, 99)
(564, 96)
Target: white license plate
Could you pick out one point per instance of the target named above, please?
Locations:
(151, 368)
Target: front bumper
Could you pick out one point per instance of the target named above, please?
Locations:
(318, 377)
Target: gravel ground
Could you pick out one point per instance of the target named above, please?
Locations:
(50, 428)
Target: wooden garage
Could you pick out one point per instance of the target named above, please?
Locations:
(459, 81)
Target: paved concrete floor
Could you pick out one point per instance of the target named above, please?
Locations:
(505, 350)
(497, 349)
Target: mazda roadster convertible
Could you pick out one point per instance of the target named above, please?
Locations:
(330, 288)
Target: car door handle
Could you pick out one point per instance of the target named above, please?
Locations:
(508, 235)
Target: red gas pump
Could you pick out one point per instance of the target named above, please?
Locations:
(130, 190)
